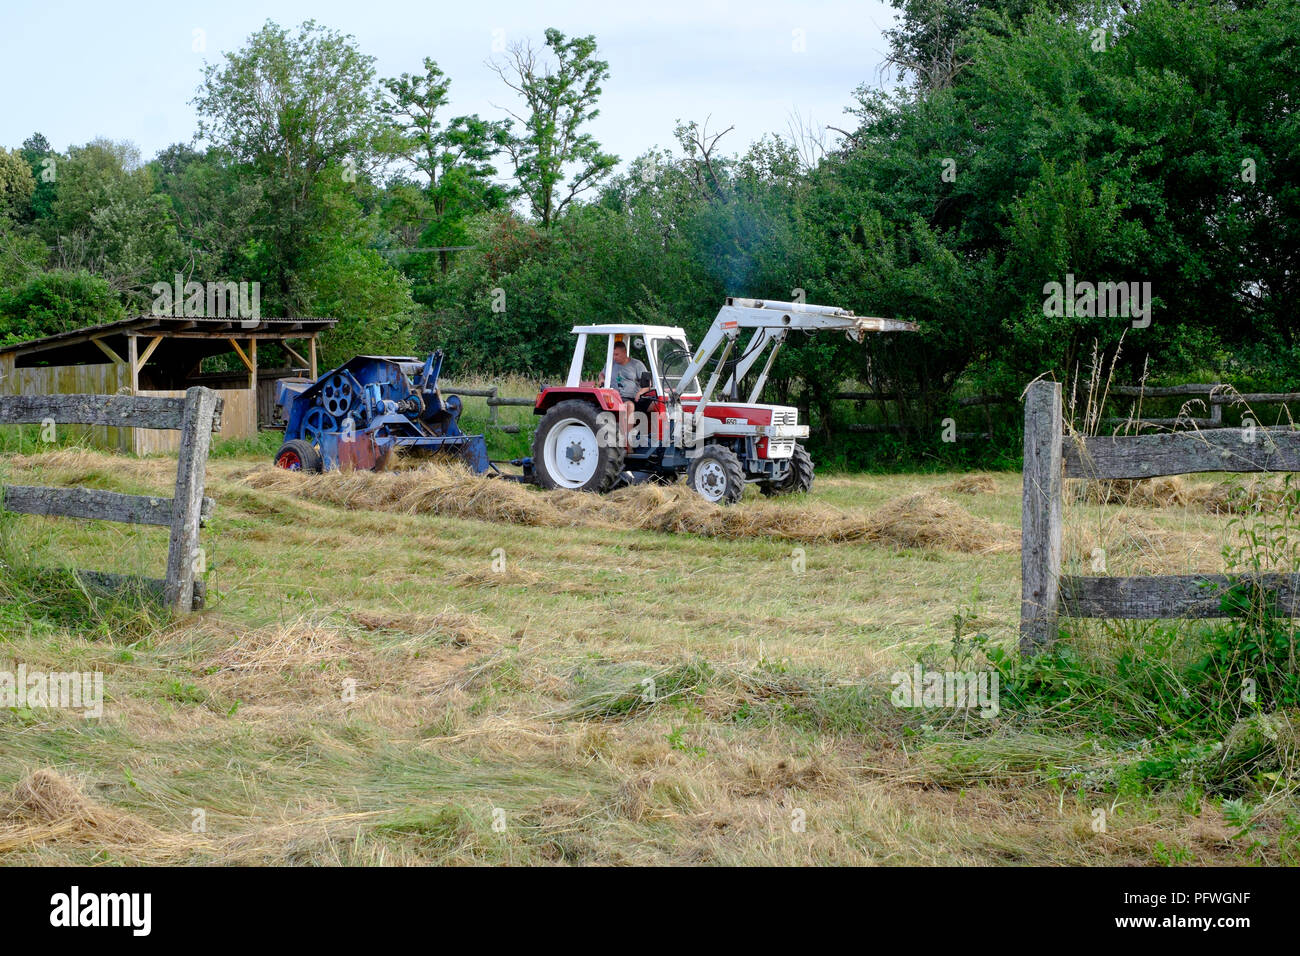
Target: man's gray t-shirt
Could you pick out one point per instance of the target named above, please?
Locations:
(627, 377)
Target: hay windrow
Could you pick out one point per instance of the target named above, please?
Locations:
(93, 468)
(929, 521)
(296, 646)
(46, 805)
(971, 485)
(48, 808)
(1177, 491)
(914, 521)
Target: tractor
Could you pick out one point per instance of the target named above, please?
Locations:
(358, 415)
(588, 439)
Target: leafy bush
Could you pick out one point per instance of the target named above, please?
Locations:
(53, 302)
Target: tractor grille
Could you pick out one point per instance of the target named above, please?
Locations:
(785, 416)
(782, 447)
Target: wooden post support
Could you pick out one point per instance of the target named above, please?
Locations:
(148, 352)
(117, 359)
(1040, 554)
(311, 354)
(252, 369)
(191, 472)
(133, 360)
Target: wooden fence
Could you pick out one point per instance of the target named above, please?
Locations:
(239, 419)
(965, 402)
(494, 402)
(195, 416)
(1215, 397)
(1051, 456)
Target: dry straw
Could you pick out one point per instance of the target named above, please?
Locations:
(914, 521)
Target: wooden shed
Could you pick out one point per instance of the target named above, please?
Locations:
(163, 356)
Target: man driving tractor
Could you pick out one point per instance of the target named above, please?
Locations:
(627, 377)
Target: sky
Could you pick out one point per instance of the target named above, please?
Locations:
(128, 70)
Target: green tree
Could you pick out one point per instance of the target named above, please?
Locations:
(455, 159)
(53, 302)
(219, 207)
(16, 184)
(296, 108)
(344, 276)
(107, 218)
(40, 155)
(555, 160)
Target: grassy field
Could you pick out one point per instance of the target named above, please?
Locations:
(422, 667)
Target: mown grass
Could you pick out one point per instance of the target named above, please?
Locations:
(380, 688)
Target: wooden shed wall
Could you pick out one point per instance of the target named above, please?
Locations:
(106, 379)
(238, 420)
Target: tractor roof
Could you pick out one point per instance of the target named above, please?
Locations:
(671, 331)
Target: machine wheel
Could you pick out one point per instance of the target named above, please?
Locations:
(715, 475)
(799, 478)
(298, 455)
(568, 452)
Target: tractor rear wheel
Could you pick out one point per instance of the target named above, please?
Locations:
(575, 449)
(799, 478)
(715, 475)
(298, 455)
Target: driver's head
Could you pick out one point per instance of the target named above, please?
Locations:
(620, 353)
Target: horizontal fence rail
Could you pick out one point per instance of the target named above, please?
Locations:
(1181, 453)
(1051, 457)
(1171, 596)
(873, 428)
(1216, 396)
(125, 411)
(96, 504)
(196, 416)
(494, 402)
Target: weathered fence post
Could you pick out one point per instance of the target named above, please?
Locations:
(191, 472)
(196, 415)
(1040, 553)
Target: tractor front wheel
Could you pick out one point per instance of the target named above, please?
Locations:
(798, 479)
(298, 455)
(715, 475)
(575, 449)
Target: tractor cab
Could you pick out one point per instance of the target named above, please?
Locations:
(663, 349)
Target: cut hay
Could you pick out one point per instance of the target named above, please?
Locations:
(915, 521)
(290, 648)
(929, 521)
(45, 805)
(449, 626)
(86, 466)
(1133, 543)
(301, 662)
(48, 808)
(971, 485)
(1176, 491)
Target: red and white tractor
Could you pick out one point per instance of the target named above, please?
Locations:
(590, 440)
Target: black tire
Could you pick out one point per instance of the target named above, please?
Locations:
(563, 424)
(798, 479)
(298, 455)
(715, 475)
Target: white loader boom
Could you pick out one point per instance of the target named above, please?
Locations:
(772, 322)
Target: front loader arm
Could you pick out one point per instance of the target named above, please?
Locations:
(771, 322)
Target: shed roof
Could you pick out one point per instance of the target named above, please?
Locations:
(203, 336)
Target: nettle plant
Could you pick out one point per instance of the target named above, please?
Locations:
(1256, 648)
